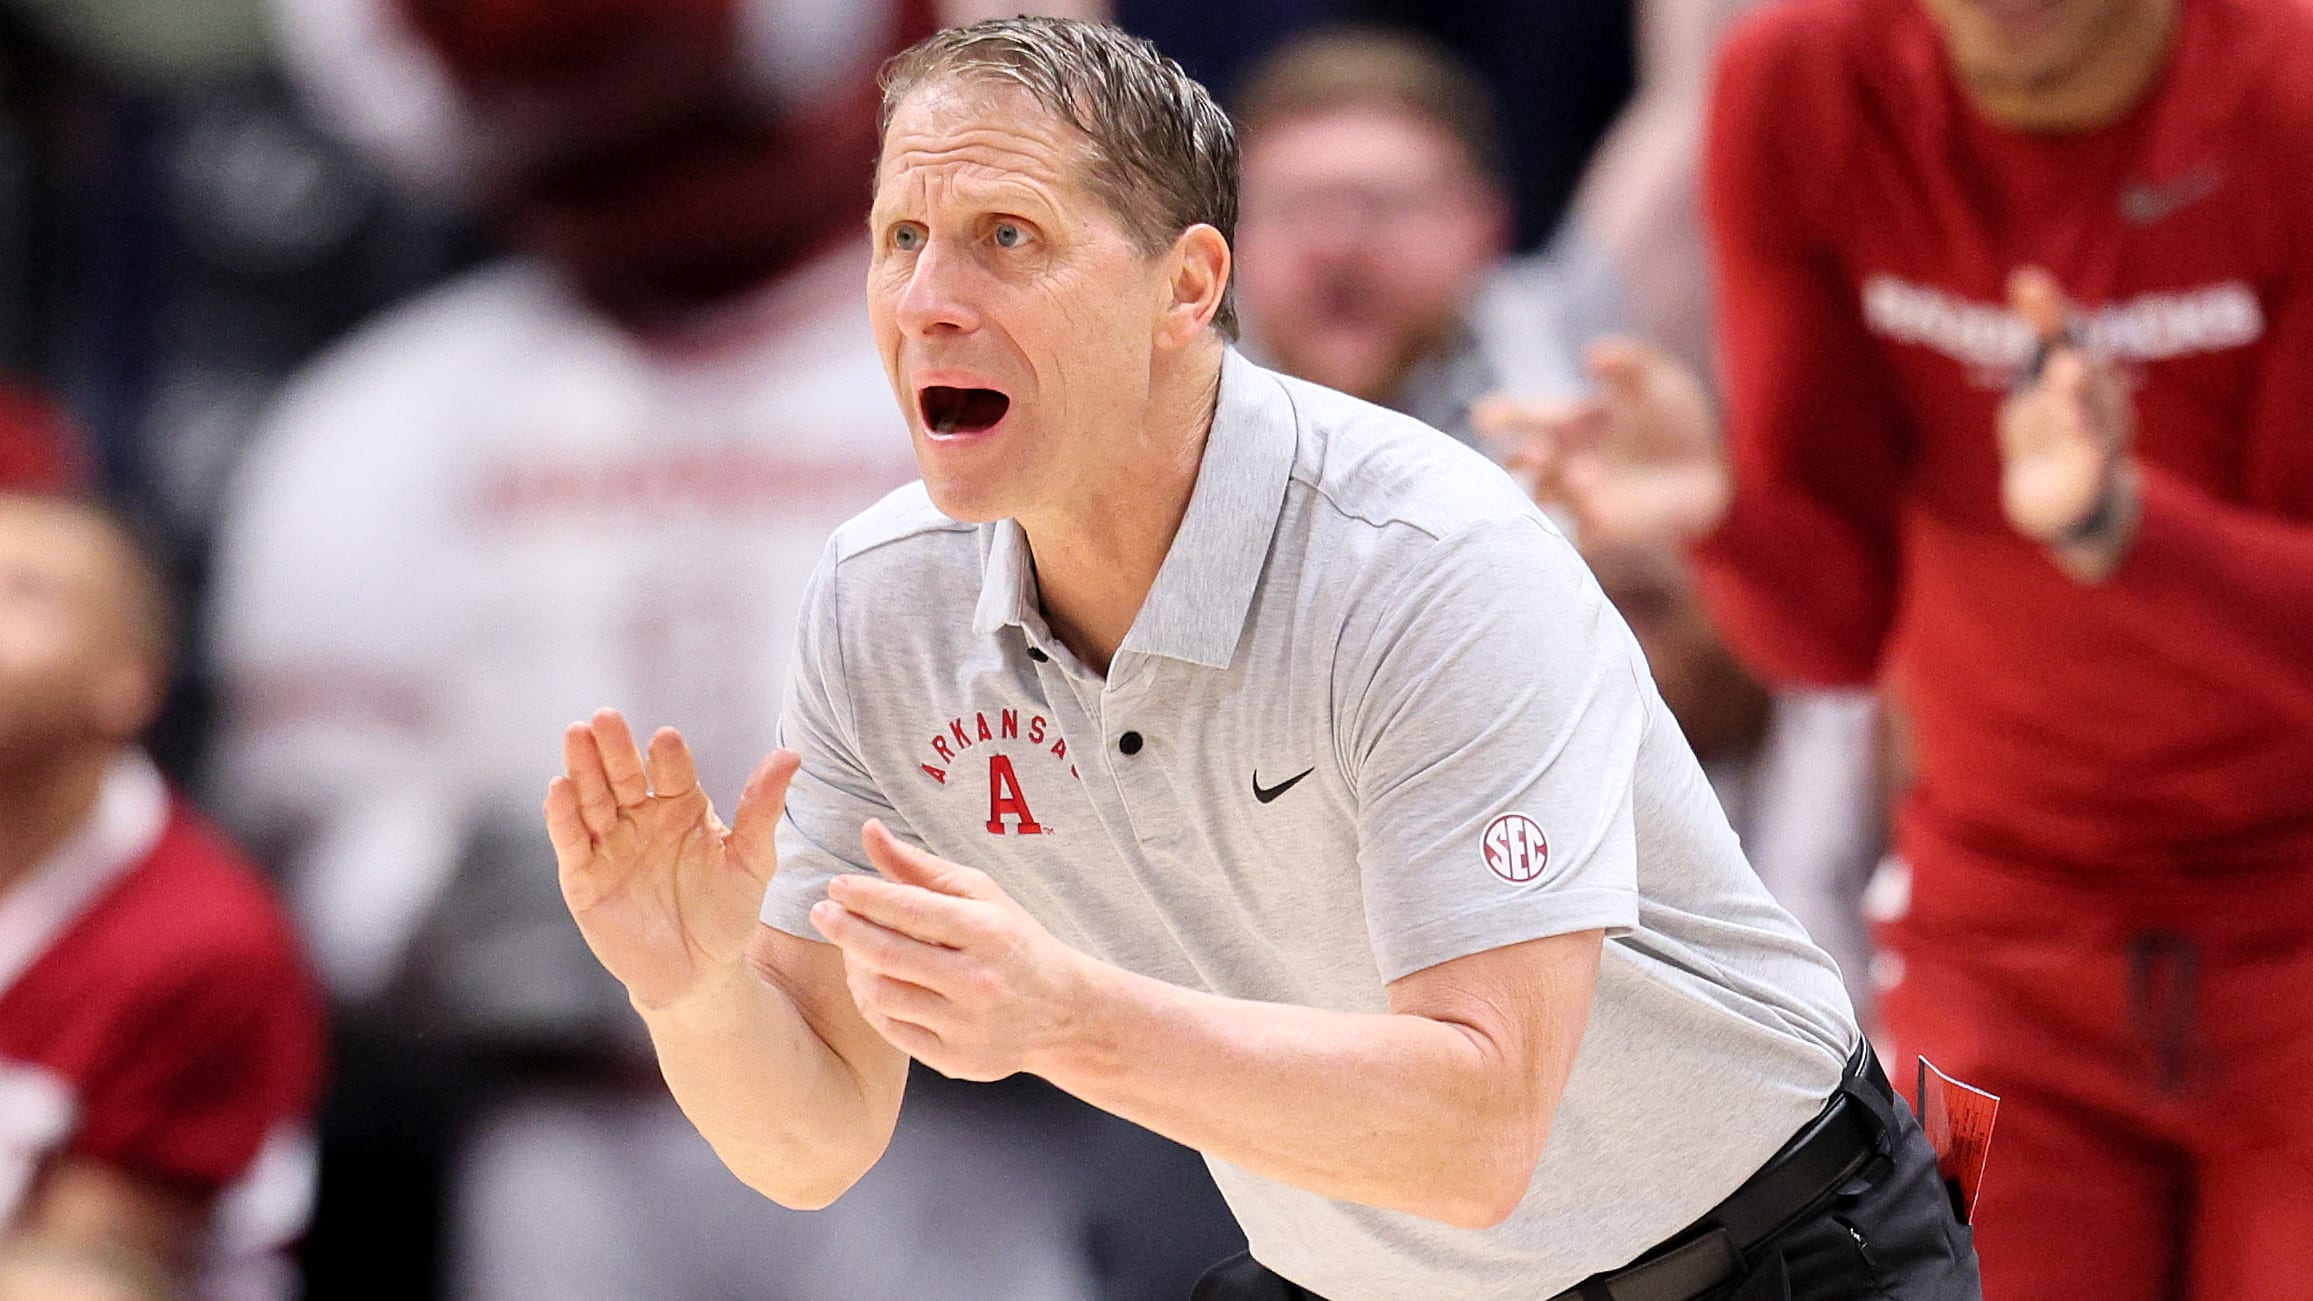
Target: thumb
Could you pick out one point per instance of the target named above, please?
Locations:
(908, 865)
(753, 838)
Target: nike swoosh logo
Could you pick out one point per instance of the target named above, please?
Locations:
(1280, 788)
(2144, 203)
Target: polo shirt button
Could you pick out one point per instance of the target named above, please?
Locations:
(1129, 743)
(1039, 656)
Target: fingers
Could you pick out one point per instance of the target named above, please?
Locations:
(2034, 295)
(883, 950)
(672, 771)
(1623, 366)
(590, 785)
(565, 826)
(755, 825)
(908, 865)
(885, 998)
(911, 910)
(1535, 439)
(621, 761)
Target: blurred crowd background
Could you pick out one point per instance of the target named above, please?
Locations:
(463, 365)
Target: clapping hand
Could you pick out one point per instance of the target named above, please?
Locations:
(664, 893)
(2066, 478)
(1636, 462)
(946, 967)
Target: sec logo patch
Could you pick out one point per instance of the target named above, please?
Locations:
(1515, 848)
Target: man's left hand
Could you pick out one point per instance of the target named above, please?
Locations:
(947, 967)
(2066, 478)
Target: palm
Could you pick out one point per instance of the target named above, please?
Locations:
(662, 892)
(2058, 443)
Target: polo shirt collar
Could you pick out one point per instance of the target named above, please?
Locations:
(1203, 593)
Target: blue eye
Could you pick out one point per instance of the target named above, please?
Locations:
(1009, 235)
(907, 239)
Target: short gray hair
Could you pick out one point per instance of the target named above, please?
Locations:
(1163, 155)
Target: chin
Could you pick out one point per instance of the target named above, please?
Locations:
(964, 500)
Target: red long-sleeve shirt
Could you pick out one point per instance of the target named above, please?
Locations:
(1865, 220)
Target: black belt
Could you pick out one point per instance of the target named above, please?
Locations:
(1855, 1128)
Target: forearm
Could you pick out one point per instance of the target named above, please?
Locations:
(783, 1109)
(1392, 1110)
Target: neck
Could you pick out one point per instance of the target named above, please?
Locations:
(2111, 76)
(41, 804)
(1097, 559)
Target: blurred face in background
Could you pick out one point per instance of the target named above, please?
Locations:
(668, 154)
(1015, 312)
(2020, 48)
(77, 664)
(1363, 231)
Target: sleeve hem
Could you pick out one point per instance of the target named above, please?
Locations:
(1503, 923)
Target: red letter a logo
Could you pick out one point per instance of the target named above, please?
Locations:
(1004, 798)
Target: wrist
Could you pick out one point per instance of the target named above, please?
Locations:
(712, 991)
(1085, 1033)
(2092, 548)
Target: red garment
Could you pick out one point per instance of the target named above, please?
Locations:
(175, 1012)
(37, 451)
(1866, 221)
(2155, 1073)
(2111, 914)
(635, 144)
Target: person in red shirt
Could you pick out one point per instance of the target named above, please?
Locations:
(2016, 310)
(159, 1034)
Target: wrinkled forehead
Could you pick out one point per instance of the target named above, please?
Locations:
(976, 129)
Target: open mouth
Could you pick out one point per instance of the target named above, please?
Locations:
(949, 410)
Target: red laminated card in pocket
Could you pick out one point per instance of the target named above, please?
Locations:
(1957, 1118)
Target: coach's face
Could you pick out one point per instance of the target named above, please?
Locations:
(1015, 314)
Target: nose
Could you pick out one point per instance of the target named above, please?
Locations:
(938, 296)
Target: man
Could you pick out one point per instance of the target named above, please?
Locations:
(2077, 541)
(159, 1037)
(1324, 806)
(1371, 242)
(1374, 227)
(667, 393)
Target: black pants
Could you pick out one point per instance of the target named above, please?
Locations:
(1889, 1235)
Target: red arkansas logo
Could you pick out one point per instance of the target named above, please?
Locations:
(1006, 801)
(1515, 848)
(1008, 811)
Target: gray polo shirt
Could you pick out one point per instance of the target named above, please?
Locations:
(1375, 715)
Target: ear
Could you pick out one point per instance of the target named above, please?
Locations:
(1199, 267)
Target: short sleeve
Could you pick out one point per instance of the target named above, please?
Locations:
(1494, 748)
(833, 795)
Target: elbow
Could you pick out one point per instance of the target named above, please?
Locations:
(796, 1185)
(804, 1197)
(1487, 1202)
(1488, 1188)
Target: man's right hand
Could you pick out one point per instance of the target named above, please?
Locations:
(665, 894)
(1636, 462)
